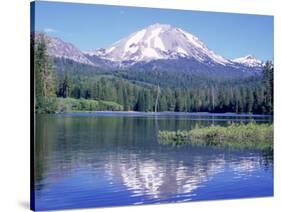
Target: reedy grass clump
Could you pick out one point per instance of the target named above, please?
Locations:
(235, 135)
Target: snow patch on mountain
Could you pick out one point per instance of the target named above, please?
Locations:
(132, 40)
(180, 50)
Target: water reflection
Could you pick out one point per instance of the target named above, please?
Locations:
(102, 161)
(160, 178)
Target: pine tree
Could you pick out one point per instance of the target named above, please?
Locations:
(65, 86)
(268, 83)
(44, 78)
(249, 100)
(147, 101)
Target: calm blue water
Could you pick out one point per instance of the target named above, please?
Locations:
(111, 159)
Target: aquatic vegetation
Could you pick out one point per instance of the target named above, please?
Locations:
(235, 135)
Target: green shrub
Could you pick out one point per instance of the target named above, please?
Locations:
(70, 104)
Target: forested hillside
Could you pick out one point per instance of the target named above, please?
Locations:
(65, 85)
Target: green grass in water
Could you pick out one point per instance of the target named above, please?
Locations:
(235, 135)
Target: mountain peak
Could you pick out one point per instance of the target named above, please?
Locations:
(58, 48)
(158, 25)
(157, 42)
(250, 57)
(249, 60)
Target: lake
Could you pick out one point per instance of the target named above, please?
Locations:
(113, 158)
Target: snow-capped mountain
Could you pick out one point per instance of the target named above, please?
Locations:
(159, 42)
(158, 47)
(60, 49)
(249, 61)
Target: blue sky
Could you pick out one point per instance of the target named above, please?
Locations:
(90, 26)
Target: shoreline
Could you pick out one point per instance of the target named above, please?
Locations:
(170, 113)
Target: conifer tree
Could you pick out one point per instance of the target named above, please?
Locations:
(44, 78)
